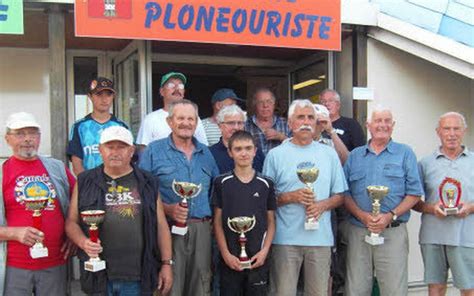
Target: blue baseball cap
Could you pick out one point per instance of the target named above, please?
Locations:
(224, 93)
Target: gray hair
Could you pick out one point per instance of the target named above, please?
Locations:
(452, 113)
(335, 94)
(262, 90)
(182, 102)
(230, 110)
(378, 108)
(301, 103)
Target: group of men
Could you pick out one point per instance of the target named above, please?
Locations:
(254, 171)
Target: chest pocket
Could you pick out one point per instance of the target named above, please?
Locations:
(357, 183)
(395, 176)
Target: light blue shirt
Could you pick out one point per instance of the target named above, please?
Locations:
(164, 160)
(394, 167)
(281, 164)
(451, 230)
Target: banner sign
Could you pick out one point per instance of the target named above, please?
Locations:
(11, 17)
(314, 24)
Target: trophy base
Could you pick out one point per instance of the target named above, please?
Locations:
(179, 230)
(38, 251)
(247, 264)
(451, 211)
(94, 265)
(311, 224)
(374, 240)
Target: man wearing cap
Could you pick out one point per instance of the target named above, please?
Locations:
(134, 230)
(154, 125)
(83, 147)
(348, 129)
(181, 158)
(268, 129)
(221, 98)
(25, 175)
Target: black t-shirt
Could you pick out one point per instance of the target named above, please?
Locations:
(121, 232)
(235, 199)
(350, 132)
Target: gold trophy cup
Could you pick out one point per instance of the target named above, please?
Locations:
(450, 196)
(37, 204)
(93, 218)
(308, 174)
(186, 191)
(241, 225)
(376, 193)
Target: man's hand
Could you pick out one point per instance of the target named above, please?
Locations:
(304, 196)
(325, 123)
(179, 213)
(68, 249)
(378, 223)
(259, 258)
(28, 235)
(315, 210)
(465, 210)
(272, 134)
(165, 279)
(437, 210)
(232, 261)
(92, 249)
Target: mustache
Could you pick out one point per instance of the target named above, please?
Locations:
(305, 128)
(115, 158)
(177, 92)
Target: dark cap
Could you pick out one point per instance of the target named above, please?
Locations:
(100, 84)
(224, 93)
(169, 75)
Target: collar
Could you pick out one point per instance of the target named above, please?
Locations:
(438, 153)
(198, 147)
(390, 147)
(254, 120)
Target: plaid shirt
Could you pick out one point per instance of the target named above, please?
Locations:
(279, 124)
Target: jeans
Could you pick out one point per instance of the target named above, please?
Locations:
(123, 288)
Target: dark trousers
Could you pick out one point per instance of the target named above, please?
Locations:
(249, 282)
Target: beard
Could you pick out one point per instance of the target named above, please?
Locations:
(28, 153)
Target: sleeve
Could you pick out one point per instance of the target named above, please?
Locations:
(258, 161)
(421, 173)
(71, 179)
(357, 135)
(145, 161)
(412, 183)
(339, 183)
(144, 132)
(200, 133)
(347, 172)
(269, 169)
(216, 195)
(271, 201)
(74, 147)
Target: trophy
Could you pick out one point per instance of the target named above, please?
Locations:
(186, 191)
(376, 193)
(241, 225)
(37, 204)
(308, 173)
(93, 218)
(450, 195)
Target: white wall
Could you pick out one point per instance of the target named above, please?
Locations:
(24, 86)
(418, 92)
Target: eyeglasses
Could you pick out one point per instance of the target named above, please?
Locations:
(171, 85)
(234, 123)
(22, 135)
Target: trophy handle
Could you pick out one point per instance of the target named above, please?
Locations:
(230, 226)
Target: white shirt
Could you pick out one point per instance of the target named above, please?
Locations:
(155, 127)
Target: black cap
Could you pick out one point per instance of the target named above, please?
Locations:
(100, 84)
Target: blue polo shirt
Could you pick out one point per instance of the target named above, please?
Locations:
(165, 161)
(395, 167)
(226, 164)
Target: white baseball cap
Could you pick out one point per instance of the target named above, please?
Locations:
(321, 110)
(116, 133)
(21, 120)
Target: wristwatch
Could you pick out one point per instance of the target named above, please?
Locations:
(395, 217)
(167, 262)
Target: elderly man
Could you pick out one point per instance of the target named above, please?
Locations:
(181, 158)
(230, 120)
(381, 162)
(268, 129)
(294, 242)
(348, 129)
(134, 226)
(447, 242)
(155, 125)
(221, 98)
(84, 139)
(27, 176)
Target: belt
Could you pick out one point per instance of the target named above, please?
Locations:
(394, 224)
(197, 220)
